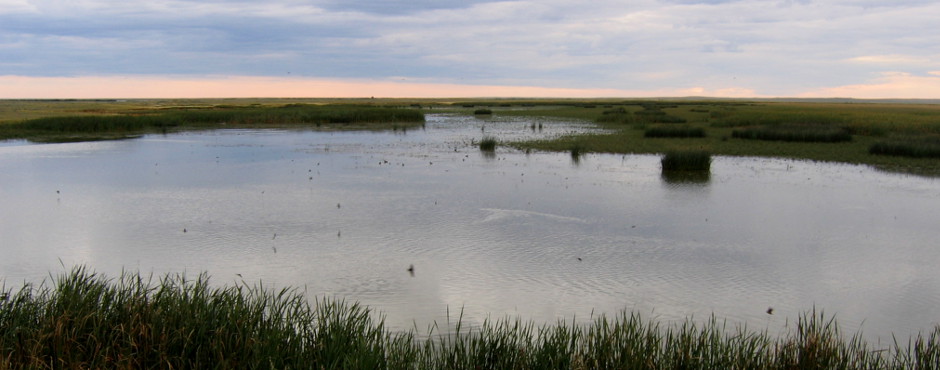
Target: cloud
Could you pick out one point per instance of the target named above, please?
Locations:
(897, 59)
(130, 87)
(770, 47)
(16, 6)
(890, 85)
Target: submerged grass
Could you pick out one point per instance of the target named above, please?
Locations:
(87, 320)
(130, 123)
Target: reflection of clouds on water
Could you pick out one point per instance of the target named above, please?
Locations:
(496, 214)
(513, 234)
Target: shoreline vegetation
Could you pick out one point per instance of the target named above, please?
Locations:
(88, 320)
(101, 124)
(896, 136)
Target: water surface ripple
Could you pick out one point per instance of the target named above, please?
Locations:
(539, 236)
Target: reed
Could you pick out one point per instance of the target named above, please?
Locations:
(813, 133)
(483, 111)
(87, 320)
(488, 144)
(577, 149)
(687, 160)
(926, 147)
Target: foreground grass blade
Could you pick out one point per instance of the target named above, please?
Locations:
(86, 320)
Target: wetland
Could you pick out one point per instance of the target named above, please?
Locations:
(418, 223)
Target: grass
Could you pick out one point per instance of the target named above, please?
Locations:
(123, 124)
(868, 123)
(482, 111)
(808, 133)
(688, 160)
(87, 320)
(488, 144)
(918, 147)
(824, 127)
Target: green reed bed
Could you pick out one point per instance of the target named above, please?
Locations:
(87, 320)
(577, 149)
(687, 160)
(913, 147)
(117, 125)
(483, 111)
(488, 144)
(810, 133)
(674, 131)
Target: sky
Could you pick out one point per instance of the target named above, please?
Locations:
(469, 48)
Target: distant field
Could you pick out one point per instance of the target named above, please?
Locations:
(83, 120)
(835, 132)
(893, 136)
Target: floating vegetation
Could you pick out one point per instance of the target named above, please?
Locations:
(87, 320)
(674, 131)
(687, 160)
(483, 111)
(816, 133)
(488, 144)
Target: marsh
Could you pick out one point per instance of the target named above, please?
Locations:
(537, 236)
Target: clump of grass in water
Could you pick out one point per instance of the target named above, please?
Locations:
(483, 111)
(577, 150)
(90, 321)
(689, 160)
(488, 144)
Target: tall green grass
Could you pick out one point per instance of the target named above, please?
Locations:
(87, 320)
(815, 133)
(917, 147)
(686, 160)
(488, 144)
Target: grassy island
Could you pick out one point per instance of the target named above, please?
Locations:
(895, 137)
(90, 121)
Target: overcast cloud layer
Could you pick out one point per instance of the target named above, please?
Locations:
(705, 47)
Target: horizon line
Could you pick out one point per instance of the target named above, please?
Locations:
(260, 87)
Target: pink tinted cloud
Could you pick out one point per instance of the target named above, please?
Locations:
(891, 85)
(131, 87)
(14, 87)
